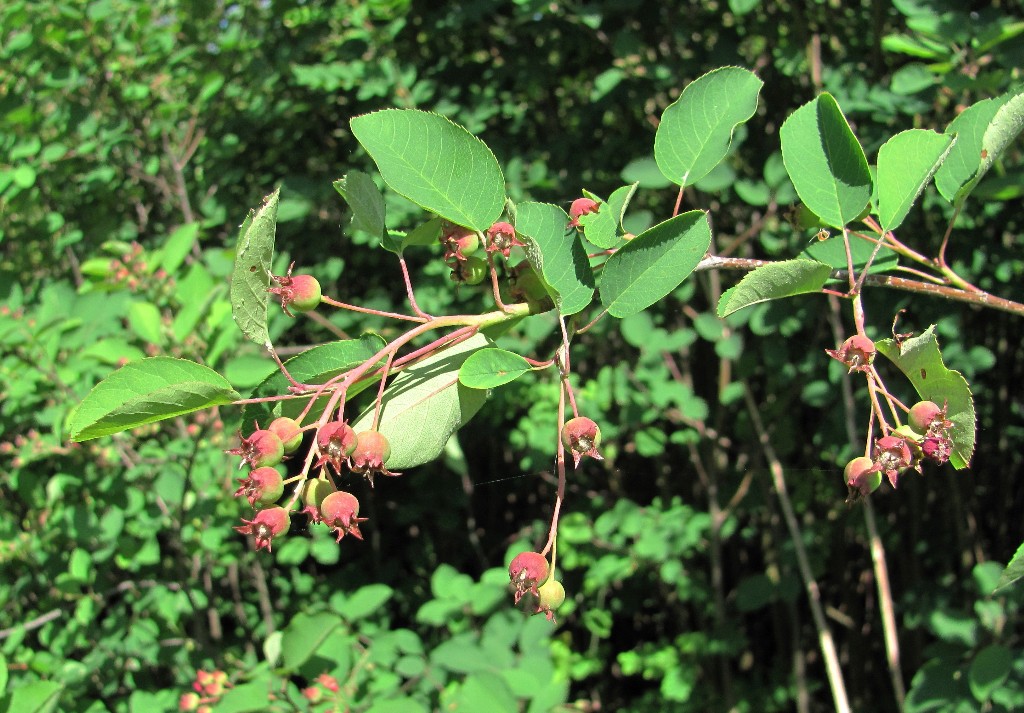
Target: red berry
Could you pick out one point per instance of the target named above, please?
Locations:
(937, 448)
(264, 486)
(339, 511)
(261, 448)
(371, 453)
(336, 440)
(501, 238)
(189, 701)
(857, 352)
(582, 437)
(287, 429)
(299, 292)
(526, 571)
(892, 454)
(580, 207)
(266, 524)
(862, 475)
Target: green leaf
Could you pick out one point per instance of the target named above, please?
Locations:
(483, 691)
(774, 281)
(366, 202)
(178, 246)
(313, 366)
(826, 162)
(654, 263)
(364, 601)
(304, 635)
(423, 235)
(989, 671)
(1014, 571)
(604, 228)
(35, 697)
(983, 132)
(435, 163)
(245, 698)
(906, 163)
(147, 391)
(490, 368)
(145, 321)
(920, 360)
(250, 277)
(556, 253)
(832, 252)
(425, 405)
(696, 130)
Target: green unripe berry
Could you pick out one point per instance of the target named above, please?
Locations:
(471, 271)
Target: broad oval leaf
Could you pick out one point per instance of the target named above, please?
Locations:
(491, 368)
(250, 277)
(833, 252)
(774, 281)
(983, 132)
(147, 391)
(920, 360)
(826, 162)
(313, 366)
(366, 202)
(603, 228)
(906, 163)
(303, 636)
(425, 405)
(989, 671)
(654, 263)
(696, 129)
(556, 252)
(435, 163)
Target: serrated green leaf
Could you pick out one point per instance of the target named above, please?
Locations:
(920, 360)
(313, 366)
(983, 132)
(1014, 571)
(906, 163)
(303, 635)
(556, 253)
(147, 391)
(826, 162)
(366, 202)
(654, 263)
(435, 163)
(774, 281)
(832, 252)
(425, 405)
(696, 130)
(250, 276)
(491, 368)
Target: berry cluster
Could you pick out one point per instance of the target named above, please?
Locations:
(208, 687)
(926, 436)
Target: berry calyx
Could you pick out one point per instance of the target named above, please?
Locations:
(470, 271)
(862, 476)
(459, 242)
(299, 292)
(336, 440)
(526, 571)
(857, 352)
(314, 492)
(550, 595)
(265, 526)
(582, 437)
(501, 238)
(262, 448)
(263, 486)
(287, 429)
(371, 452)
(340, 512)
(892, 454)
(579, 208)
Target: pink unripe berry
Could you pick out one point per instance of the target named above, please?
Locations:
(459, 242)
(267, 523)
(526, 571)
(579, 208)
(287, 429)
(857, 352)
(260, 449)
(891, 455)
(189, 701)
(299, 292)
(582, 437)
(340, 512)
(263, 486)
(501, 238)
(371, 453)
(923, 414)
(862, 475)
(336, 440)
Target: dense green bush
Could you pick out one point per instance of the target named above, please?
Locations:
(134, 137)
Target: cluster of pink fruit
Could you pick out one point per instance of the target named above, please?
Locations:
(925, 436)
(340, 447)
(208, 687)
